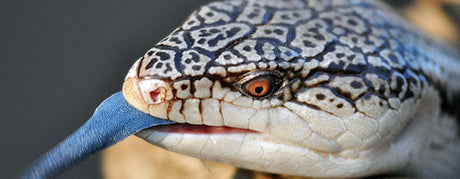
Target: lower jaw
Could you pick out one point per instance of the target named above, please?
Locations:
(208, 143)
(201, 141)
(250, 150)
(254, 151)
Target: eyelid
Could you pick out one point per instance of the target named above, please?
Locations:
(249, 76)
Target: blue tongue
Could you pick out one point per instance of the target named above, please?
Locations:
(113, 121)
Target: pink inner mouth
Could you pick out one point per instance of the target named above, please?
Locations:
(200, 129)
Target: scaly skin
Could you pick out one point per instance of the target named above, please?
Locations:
(357, 90)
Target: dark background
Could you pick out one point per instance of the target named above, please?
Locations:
(60, 59)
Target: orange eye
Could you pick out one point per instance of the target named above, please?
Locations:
(259, 84)
(259, 87)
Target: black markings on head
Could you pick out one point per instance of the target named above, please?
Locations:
(168, 68)
(367, 42)
(196, 67)
(201, 41)
(150, 64)
(320, 97)
(351, 57)
(246, 48)
(337, 66)
(319, 37)
(381, 89)
(252, 15)
(159, 65)
(209, 14)
(213, 42)
(352, 22)
(354, 39)
(327, 20)
(314, 30)
(381, 71)
(183, 87)
(205, 34)
(393, 58)
(356, 68)
(194, 58)
(163, 56)
(232, 31)
(399, 84)
(347, 94)
(288, 53)
(278, 31)
(214, 31)
(307, 43)
(356, 84)
(175, 40)
(227, 57)
(339, 105)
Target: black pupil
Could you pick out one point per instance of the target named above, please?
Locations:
(259, 89)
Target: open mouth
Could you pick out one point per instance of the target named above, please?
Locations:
(199, 129)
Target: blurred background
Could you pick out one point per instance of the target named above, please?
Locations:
(60, 59)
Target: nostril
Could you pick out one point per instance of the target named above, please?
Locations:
(155, 91)
(158, 95)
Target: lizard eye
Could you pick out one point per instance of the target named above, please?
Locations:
(260, 84)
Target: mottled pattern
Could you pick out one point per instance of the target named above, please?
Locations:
(346, 64)
(337, 37)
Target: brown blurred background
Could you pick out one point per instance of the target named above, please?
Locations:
(60, 59)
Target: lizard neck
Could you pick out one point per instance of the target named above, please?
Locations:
(429, 145)
(435, 142)
(440, 155)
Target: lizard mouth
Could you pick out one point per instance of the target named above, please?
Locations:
(199, 129)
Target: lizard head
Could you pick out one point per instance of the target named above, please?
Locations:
(278, 87)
